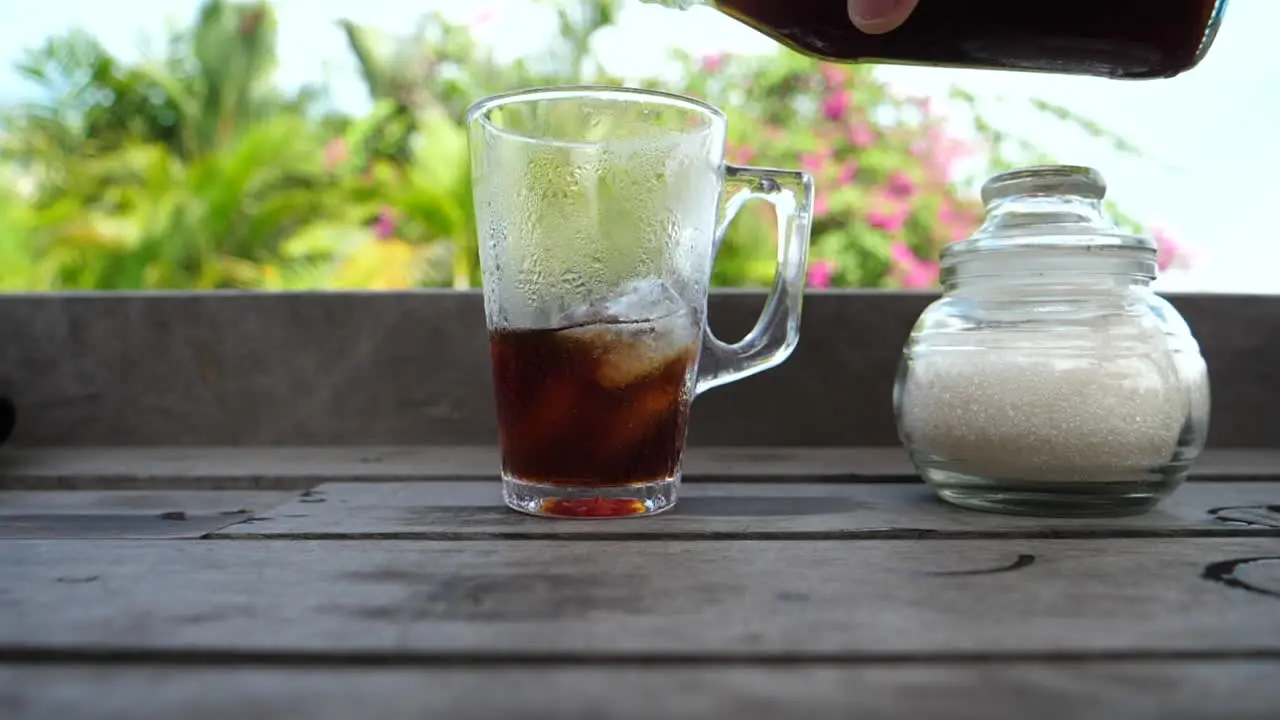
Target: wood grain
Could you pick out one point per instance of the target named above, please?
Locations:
(171, 468)
(989, 691)
(461, 510)
(224, 468)
(129, 513)
(803, 599)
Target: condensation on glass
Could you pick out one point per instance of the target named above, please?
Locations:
(599, 212)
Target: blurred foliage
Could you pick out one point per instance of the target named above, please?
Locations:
(192, 169)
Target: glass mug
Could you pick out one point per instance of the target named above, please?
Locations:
(599, 212)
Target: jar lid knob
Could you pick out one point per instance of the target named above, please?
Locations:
(1073, 180)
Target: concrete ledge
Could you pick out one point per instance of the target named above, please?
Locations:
(394, 369)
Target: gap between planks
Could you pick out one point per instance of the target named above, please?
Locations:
(178, 657)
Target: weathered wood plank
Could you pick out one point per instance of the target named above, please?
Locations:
(129, 513)
(96, 468)
(801, 599)
(411, 367)
(473, 509)
(994, 691)
(299, 468)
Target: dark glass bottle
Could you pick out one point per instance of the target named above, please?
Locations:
(1132, 39)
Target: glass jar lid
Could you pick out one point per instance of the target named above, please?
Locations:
(1048, 206)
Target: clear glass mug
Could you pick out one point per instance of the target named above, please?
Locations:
(599, 212)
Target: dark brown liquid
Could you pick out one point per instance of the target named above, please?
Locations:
(599, 405)
(1110, 38)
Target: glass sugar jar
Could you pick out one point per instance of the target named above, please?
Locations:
(1049, 379)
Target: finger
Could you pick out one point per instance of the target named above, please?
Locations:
(880, 16)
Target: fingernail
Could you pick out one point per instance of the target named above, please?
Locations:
(872, 10)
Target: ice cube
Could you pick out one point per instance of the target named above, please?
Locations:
(634, 300)
(629, 351)
(644, 299)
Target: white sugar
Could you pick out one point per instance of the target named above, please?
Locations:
(1018, 413)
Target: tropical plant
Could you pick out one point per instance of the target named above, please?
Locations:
(194, 172)
(890, 195)
(192, 169)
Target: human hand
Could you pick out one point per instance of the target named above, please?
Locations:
(880, 16)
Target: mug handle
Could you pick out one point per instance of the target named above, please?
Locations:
(778, 330)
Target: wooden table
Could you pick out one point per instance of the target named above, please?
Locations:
(390, 583)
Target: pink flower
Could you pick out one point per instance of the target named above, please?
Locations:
(385, 226)
(957, 225)
(740, 154)
(940, 153)
(484, 15)
(836, 104)
(1169, 253)
(335, 154)
(820, 273)
(862, 135)
(910, 270)
(891, 221)
(812, 162)
(821, 206)
(833, 75)
(900, 186)
(713, 62)
(848, 172)
(948, 213)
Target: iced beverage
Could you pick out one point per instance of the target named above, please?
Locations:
(598, 215)
(602, 404)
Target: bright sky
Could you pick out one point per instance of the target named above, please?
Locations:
(1212, 175)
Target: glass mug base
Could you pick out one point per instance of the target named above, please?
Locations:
(1081, 499)
(590, 501)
